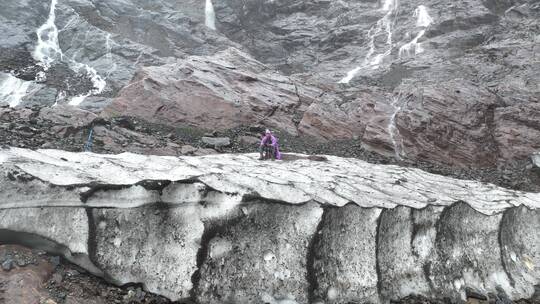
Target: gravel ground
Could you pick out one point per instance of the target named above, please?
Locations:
(69, 284)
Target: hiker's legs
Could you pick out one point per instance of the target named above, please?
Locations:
(267, 152)
(272, 151)
(261, 151)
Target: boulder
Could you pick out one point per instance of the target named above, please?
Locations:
(249, 140)
(188, 150)
(216, 142)
(222, 91)
(535, 158)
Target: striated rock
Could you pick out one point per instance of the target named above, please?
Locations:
(350, 115)
(230, 228)
(517, 130)
(439, 124)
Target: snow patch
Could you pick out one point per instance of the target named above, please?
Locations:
(13, 90)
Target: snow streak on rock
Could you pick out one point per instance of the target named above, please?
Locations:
(373, 60)
(13, 89)
(98, 82)
(210, 15)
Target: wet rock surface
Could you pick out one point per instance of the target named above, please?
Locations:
(46, 279)
(228, 228)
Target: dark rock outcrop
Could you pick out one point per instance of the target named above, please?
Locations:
(226, 90)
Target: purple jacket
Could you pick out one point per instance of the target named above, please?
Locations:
(273, 141)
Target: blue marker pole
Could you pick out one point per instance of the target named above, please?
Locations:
(88, 145)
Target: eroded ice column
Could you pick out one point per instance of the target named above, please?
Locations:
(345, 256)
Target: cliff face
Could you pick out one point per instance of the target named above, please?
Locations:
(229, 228)
(433, 83)
(454, 83)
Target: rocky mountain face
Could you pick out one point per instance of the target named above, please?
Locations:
(453, 83)
(341, 230)
(452, 87)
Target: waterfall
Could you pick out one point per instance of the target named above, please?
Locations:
(397, 104)
(12, 90)
(210, 15)
(413, 46)
(48, 49)
(422, 15)
(385, 23)
(423, 20)
(108, 47)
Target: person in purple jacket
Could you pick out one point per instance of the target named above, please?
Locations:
(269, 146)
